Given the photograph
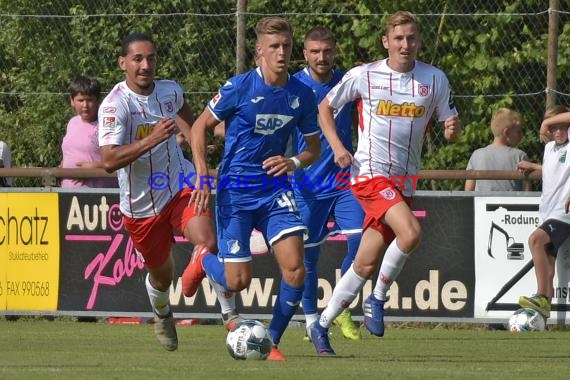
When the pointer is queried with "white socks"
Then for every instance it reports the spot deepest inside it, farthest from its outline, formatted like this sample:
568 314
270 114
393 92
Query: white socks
392 264
344 293
159 300
226 298
311 318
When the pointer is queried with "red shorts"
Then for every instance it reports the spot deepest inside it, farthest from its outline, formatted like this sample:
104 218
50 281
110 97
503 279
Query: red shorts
153 236
376 196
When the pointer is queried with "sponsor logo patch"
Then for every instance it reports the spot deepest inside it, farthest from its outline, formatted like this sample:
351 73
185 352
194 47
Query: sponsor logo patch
109 121
267 124
388 108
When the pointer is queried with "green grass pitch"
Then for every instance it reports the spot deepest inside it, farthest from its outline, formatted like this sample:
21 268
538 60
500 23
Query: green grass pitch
64 349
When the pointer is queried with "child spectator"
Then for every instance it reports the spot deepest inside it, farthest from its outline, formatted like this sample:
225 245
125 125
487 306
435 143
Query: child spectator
501 154
80 146
545 241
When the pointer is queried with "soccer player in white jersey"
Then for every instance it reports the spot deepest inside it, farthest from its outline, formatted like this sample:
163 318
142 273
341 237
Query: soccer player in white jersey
396 99
138 121
261 108
545 241
321 190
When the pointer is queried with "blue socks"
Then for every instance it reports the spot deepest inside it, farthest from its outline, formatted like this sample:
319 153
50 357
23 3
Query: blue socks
311 280
352 241
215 269
285 307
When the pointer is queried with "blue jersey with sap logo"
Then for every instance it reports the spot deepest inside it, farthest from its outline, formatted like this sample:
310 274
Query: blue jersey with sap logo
324 179
259 120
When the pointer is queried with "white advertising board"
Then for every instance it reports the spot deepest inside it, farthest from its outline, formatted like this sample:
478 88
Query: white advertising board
503 262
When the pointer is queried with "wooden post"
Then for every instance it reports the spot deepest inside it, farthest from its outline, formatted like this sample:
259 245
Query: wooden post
551 71
241 36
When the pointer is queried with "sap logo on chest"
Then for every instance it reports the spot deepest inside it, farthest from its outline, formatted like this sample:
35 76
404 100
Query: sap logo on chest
267 124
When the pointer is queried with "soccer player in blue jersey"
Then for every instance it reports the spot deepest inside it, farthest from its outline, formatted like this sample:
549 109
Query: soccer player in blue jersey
261 109
322 190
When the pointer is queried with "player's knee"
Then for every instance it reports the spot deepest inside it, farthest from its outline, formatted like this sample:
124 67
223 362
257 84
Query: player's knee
538 239
410 238
365 269
238 283
294 277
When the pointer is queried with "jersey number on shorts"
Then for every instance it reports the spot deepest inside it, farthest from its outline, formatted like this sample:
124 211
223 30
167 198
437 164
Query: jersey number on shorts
286 199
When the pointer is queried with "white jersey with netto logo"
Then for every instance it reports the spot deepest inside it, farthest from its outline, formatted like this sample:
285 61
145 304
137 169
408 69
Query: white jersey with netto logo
394 111
151 181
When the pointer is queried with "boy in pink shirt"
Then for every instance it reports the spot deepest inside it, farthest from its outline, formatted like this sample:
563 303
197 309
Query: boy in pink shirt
80 145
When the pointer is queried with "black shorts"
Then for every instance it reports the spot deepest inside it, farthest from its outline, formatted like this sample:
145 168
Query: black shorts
558 232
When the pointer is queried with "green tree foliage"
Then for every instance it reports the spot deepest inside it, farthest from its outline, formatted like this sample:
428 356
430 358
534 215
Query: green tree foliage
489 58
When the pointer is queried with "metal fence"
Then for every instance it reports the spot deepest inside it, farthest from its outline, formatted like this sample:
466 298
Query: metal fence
201 43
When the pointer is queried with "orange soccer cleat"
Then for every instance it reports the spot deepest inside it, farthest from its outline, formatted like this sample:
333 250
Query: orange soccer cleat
194 272
276 356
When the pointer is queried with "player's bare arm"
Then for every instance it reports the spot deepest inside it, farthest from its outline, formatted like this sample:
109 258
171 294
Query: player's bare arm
526 167
342 157
201 196
118 156
545 133
452 128
184 120
567 205
280 165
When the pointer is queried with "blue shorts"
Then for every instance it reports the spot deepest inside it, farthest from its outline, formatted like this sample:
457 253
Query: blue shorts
344 209
277 218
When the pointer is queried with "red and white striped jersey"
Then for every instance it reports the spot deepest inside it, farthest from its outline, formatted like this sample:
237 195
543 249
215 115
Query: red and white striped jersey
394 110
151 181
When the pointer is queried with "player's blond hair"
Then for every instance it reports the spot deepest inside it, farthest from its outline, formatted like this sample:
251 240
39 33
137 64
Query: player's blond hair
272 25
505 118
402 18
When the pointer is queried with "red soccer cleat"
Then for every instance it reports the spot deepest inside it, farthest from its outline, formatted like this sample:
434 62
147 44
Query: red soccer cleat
231 319
194 272
276 356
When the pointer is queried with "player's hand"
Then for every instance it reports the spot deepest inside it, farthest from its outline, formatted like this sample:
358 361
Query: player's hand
163 130
525 167
343 158
452 128
278 165
544 134
200 199
567 205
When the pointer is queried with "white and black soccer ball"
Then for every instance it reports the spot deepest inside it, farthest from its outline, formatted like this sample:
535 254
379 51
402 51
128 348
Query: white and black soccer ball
249 339
526 320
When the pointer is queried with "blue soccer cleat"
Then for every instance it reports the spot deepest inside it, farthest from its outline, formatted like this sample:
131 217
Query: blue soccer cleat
374 315
320 338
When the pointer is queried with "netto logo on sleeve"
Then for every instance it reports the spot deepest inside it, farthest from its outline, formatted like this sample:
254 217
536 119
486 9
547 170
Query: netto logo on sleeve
387 108
267 124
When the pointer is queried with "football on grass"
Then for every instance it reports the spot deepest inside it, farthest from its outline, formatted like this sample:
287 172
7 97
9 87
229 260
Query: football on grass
249 339
526 320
